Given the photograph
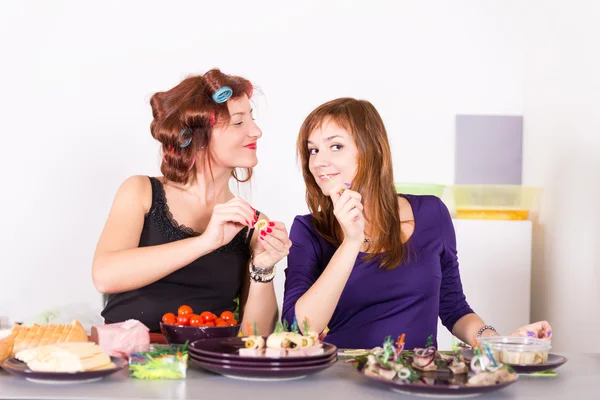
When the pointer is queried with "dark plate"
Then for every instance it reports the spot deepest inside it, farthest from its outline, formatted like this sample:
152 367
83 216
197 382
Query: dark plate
438 384
261 364
19 368
252 373
227 348
177 334
554 361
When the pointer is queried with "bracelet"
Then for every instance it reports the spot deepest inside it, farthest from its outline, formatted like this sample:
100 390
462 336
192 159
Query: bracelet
262 277
491 328
262 271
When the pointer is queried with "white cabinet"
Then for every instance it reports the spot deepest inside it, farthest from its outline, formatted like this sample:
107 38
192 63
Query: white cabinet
495 269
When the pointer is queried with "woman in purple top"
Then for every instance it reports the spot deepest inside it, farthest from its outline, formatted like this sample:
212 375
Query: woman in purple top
368 263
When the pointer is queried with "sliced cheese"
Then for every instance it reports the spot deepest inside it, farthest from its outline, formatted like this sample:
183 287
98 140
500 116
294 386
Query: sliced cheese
65 357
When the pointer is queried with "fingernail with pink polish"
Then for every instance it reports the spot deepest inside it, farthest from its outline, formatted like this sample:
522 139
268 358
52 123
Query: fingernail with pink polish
269 230
271 223
263 233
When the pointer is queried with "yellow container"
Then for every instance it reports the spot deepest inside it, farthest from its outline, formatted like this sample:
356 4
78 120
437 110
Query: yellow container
420 188
500 202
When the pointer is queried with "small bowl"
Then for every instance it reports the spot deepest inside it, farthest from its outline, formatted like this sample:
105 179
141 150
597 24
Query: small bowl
178 334
519 350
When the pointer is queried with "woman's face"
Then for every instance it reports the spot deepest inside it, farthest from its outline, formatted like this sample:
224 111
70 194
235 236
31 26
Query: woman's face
233 143
332 152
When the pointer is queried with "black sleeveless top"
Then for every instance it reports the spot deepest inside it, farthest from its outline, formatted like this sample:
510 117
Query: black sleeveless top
210 283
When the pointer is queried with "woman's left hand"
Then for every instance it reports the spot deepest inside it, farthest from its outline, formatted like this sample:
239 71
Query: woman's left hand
540 330
273 244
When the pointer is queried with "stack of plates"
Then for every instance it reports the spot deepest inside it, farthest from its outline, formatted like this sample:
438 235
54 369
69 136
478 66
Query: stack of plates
221 355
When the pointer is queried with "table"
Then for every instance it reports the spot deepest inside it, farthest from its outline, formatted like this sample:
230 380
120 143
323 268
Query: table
578 379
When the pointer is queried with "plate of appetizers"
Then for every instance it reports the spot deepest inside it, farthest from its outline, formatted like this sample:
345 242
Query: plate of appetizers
282 345
282 355
429 373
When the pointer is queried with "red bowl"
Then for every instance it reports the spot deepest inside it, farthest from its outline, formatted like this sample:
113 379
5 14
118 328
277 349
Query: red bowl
178 334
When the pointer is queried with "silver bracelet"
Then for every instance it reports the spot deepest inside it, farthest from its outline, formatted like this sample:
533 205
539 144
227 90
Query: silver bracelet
491 328
262 271
262 277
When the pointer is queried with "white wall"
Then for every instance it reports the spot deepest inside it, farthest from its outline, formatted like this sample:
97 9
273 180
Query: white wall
75 104
76 113
561 154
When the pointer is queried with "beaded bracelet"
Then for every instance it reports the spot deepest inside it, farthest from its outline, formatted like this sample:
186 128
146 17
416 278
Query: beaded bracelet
261 277
491 328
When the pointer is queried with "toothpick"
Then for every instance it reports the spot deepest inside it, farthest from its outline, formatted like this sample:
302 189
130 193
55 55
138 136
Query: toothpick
333 182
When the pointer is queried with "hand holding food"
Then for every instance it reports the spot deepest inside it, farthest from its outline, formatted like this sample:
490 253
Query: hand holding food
348 210
275 242
227 220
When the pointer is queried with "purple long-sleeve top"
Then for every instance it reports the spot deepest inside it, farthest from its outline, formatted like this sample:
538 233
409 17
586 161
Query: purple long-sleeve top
376 302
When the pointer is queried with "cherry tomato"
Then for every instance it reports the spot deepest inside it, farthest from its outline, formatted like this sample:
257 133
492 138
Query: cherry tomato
183 320
213 316
196 320
185 310
207 316
220 322
232 322
169 318
227 315
209 323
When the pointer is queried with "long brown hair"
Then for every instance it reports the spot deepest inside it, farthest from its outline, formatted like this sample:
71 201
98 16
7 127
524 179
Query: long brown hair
374 179
190 105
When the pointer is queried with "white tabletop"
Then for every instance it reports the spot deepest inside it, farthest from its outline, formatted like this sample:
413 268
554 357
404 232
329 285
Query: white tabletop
578 379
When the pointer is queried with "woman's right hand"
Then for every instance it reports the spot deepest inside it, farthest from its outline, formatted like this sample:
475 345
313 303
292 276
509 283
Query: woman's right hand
227 220
348 210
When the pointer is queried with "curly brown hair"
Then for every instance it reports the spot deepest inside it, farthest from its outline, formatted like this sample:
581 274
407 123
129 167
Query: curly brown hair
189 106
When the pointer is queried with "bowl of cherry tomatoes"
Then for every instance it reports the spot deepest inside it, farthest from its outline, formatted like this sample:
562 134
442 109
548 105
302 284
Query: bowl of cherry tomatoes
187 326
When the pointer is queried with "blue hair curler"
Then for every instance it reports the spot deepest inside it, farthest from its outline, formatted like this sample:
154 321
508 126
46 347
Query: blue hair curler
222 94
184 132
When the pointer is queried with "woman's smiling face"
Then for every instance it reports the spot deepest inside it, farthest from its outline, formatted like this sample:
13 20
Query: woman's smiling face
333 153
